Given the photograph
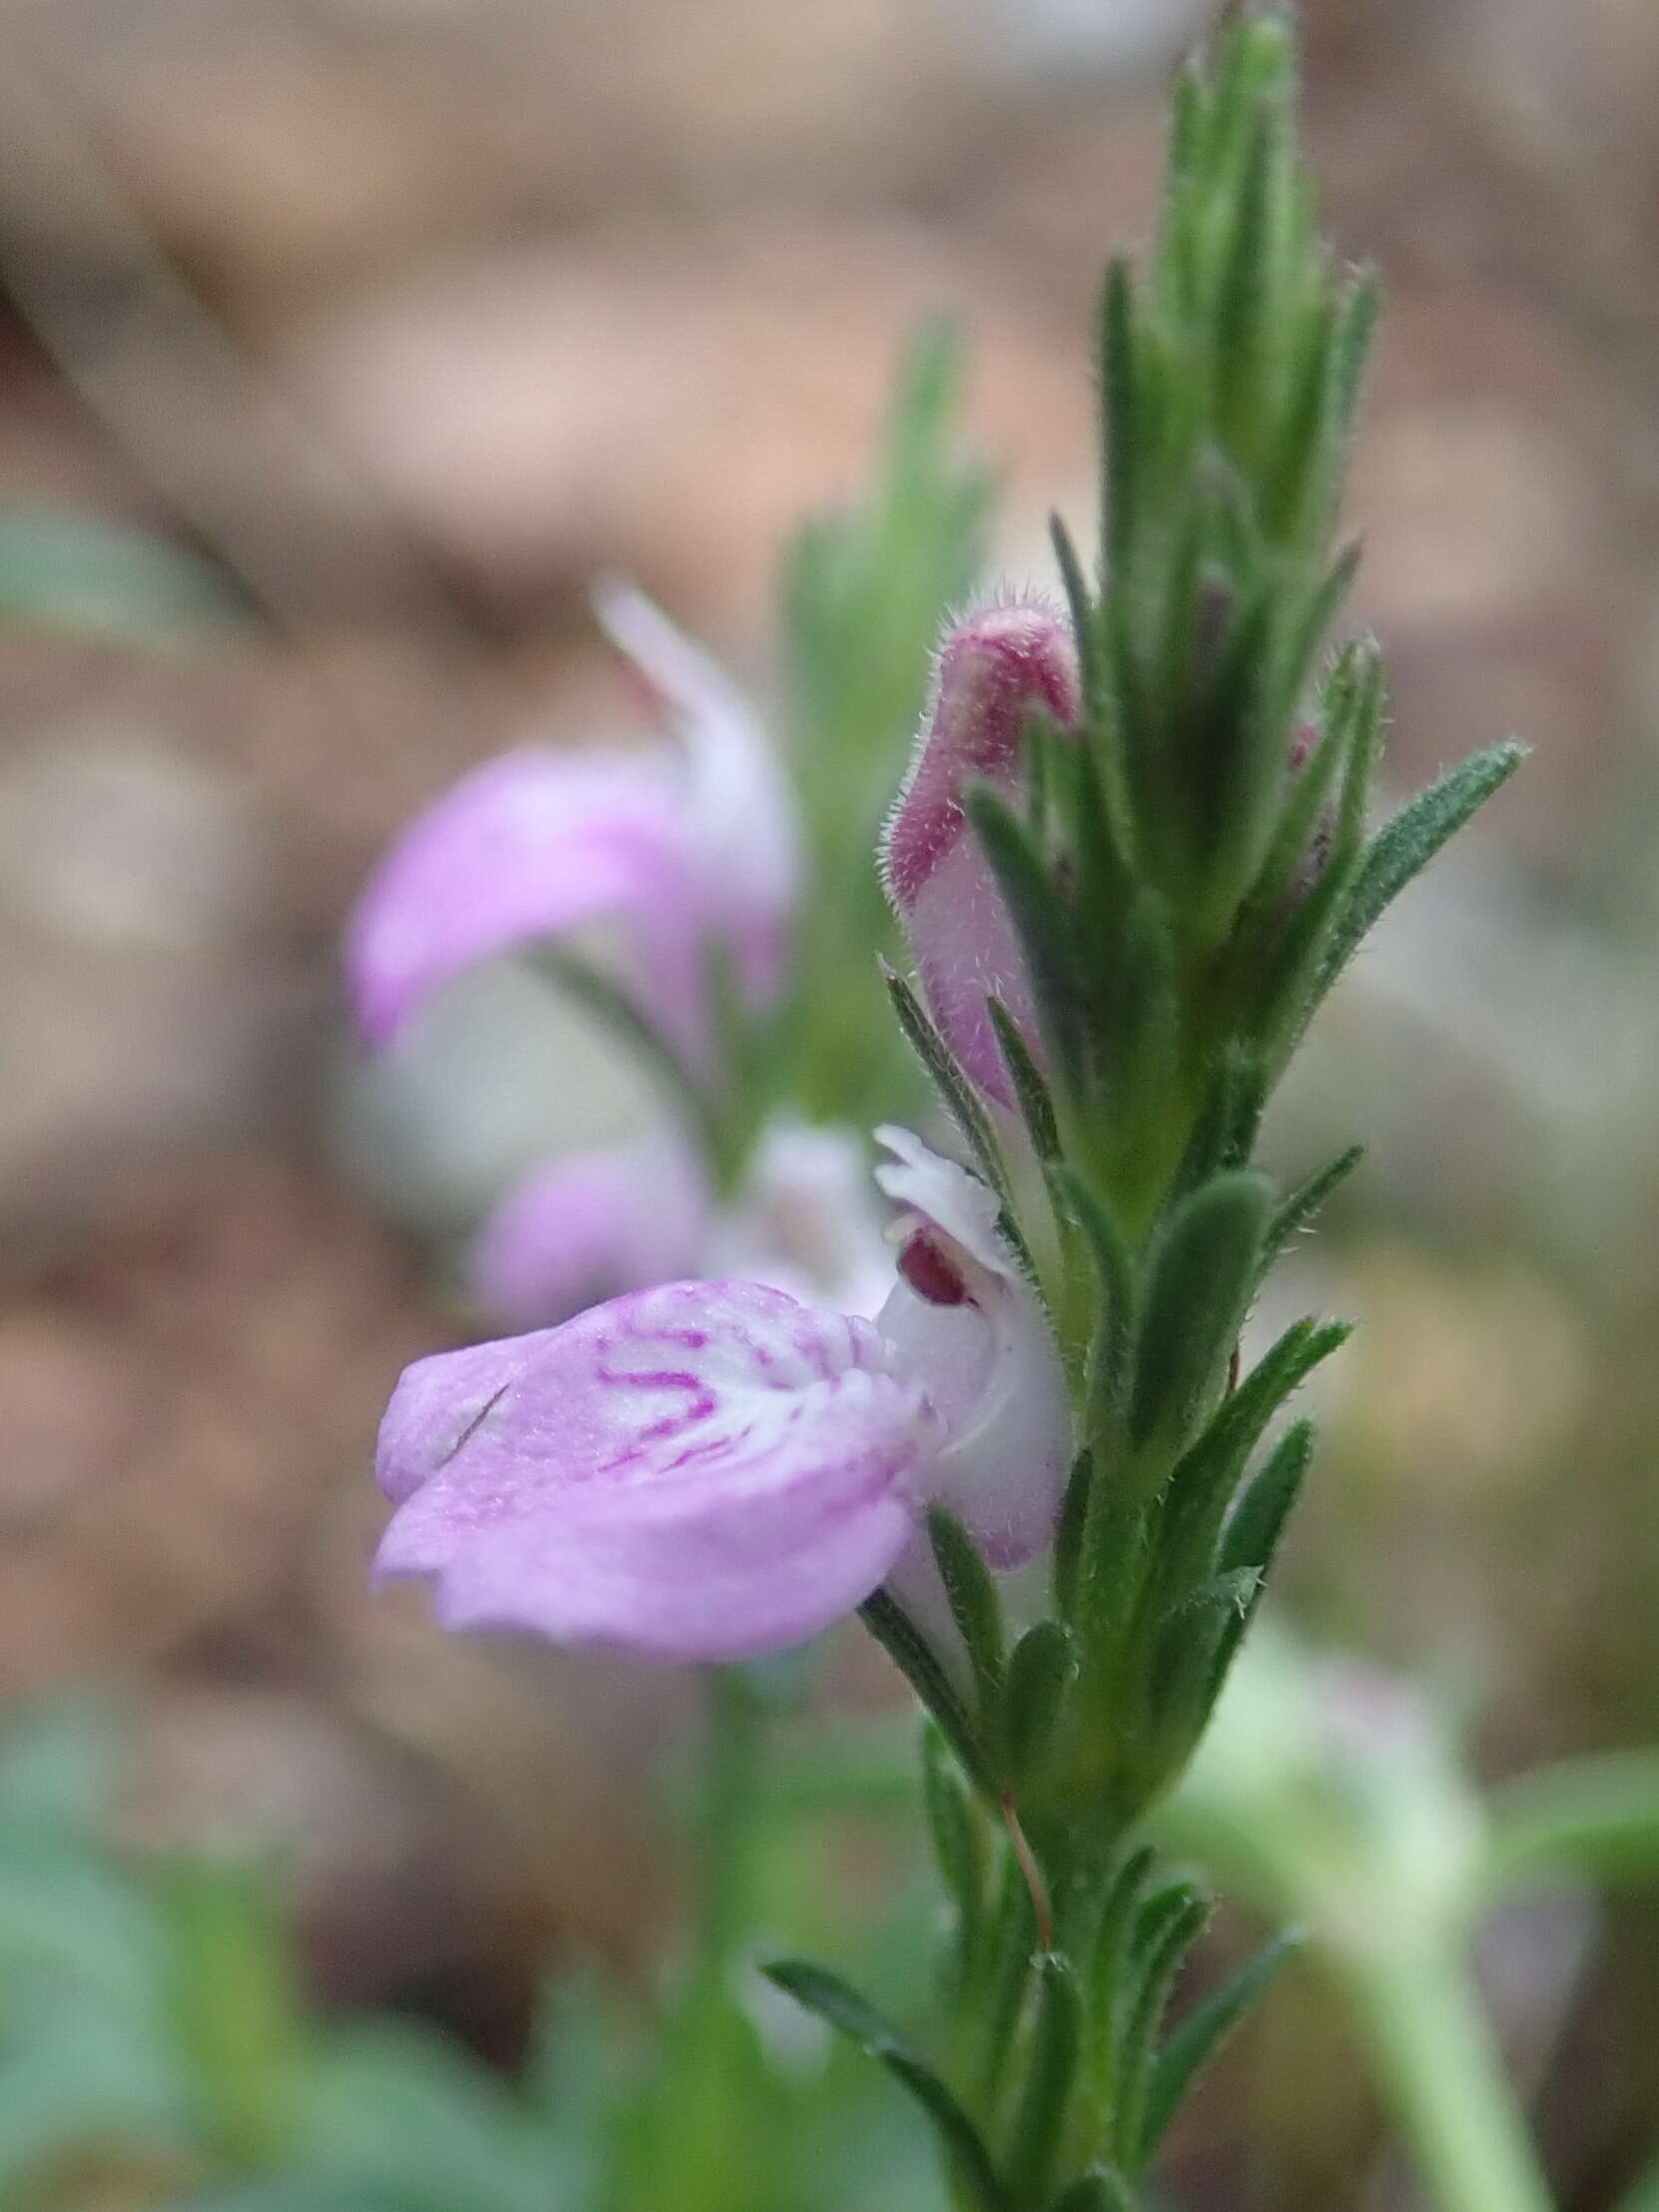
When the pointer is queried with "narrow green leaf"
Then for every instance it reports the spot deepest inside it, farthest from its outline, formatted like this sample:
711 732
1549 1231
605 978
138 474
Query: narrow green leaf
1178 1927
1239 363
975 1606
1226 1130
1049 2075
1031 1089
1170 1904
915 1659
1041 923
1110 1958
1202 1273
1197 2039
953 1821
1081 605
1406 845
1068 1537
1250 1542
834 2001
1205 1480
1111 1354
1040 1669
1305 1203
1314 449
1358 311
1256 1523
1118 406
1284 987
961 1100
1010 1950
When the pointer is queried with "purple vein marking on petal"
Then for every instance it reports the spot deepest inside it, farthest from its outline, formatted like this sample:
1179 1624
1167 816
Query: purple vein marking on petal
703 1399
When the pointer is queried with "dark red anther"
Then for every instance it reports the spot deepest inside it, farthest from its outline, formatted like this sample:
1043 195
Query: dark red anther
930 1270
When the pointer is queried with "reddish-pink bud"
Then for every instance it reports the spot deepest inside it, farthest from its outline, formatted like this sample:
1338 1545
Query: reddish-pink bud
996 668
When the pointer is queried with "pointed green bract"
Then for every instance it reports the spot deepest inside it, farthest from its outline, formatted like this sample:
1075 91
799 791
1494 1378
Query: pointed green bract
851 2016
917 1661
1196 2040
1200 1275
975 1606
1040 1669
1037 2135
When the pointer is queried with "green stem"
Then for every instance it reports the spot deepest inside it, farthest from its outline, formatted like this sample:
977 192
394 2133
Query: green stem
730 1797
1438 2063
695 2149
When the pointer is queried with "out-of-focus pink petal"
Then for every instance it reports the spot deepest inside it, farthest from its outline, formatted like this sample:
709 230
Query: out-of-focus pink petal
807 1220
704 1472
587 1225
534 844
741 810
995 669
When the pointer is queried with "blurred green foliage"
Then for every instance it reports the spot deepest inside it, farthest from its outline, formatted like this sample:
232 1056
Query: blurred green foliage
157 2047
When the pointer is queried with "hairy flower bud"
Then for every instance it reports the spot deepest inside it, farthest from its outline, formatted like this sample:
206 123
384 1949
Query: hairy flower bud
995 669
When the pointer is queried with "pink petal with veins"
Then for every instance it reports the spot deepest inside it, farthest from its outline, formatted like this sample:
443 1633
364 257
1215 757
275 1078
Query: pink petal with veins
704 1472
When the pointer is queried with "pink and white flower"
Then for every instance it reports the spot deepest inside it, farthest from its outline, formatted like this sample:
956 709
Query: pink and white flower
995 669
657 863
712 1470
